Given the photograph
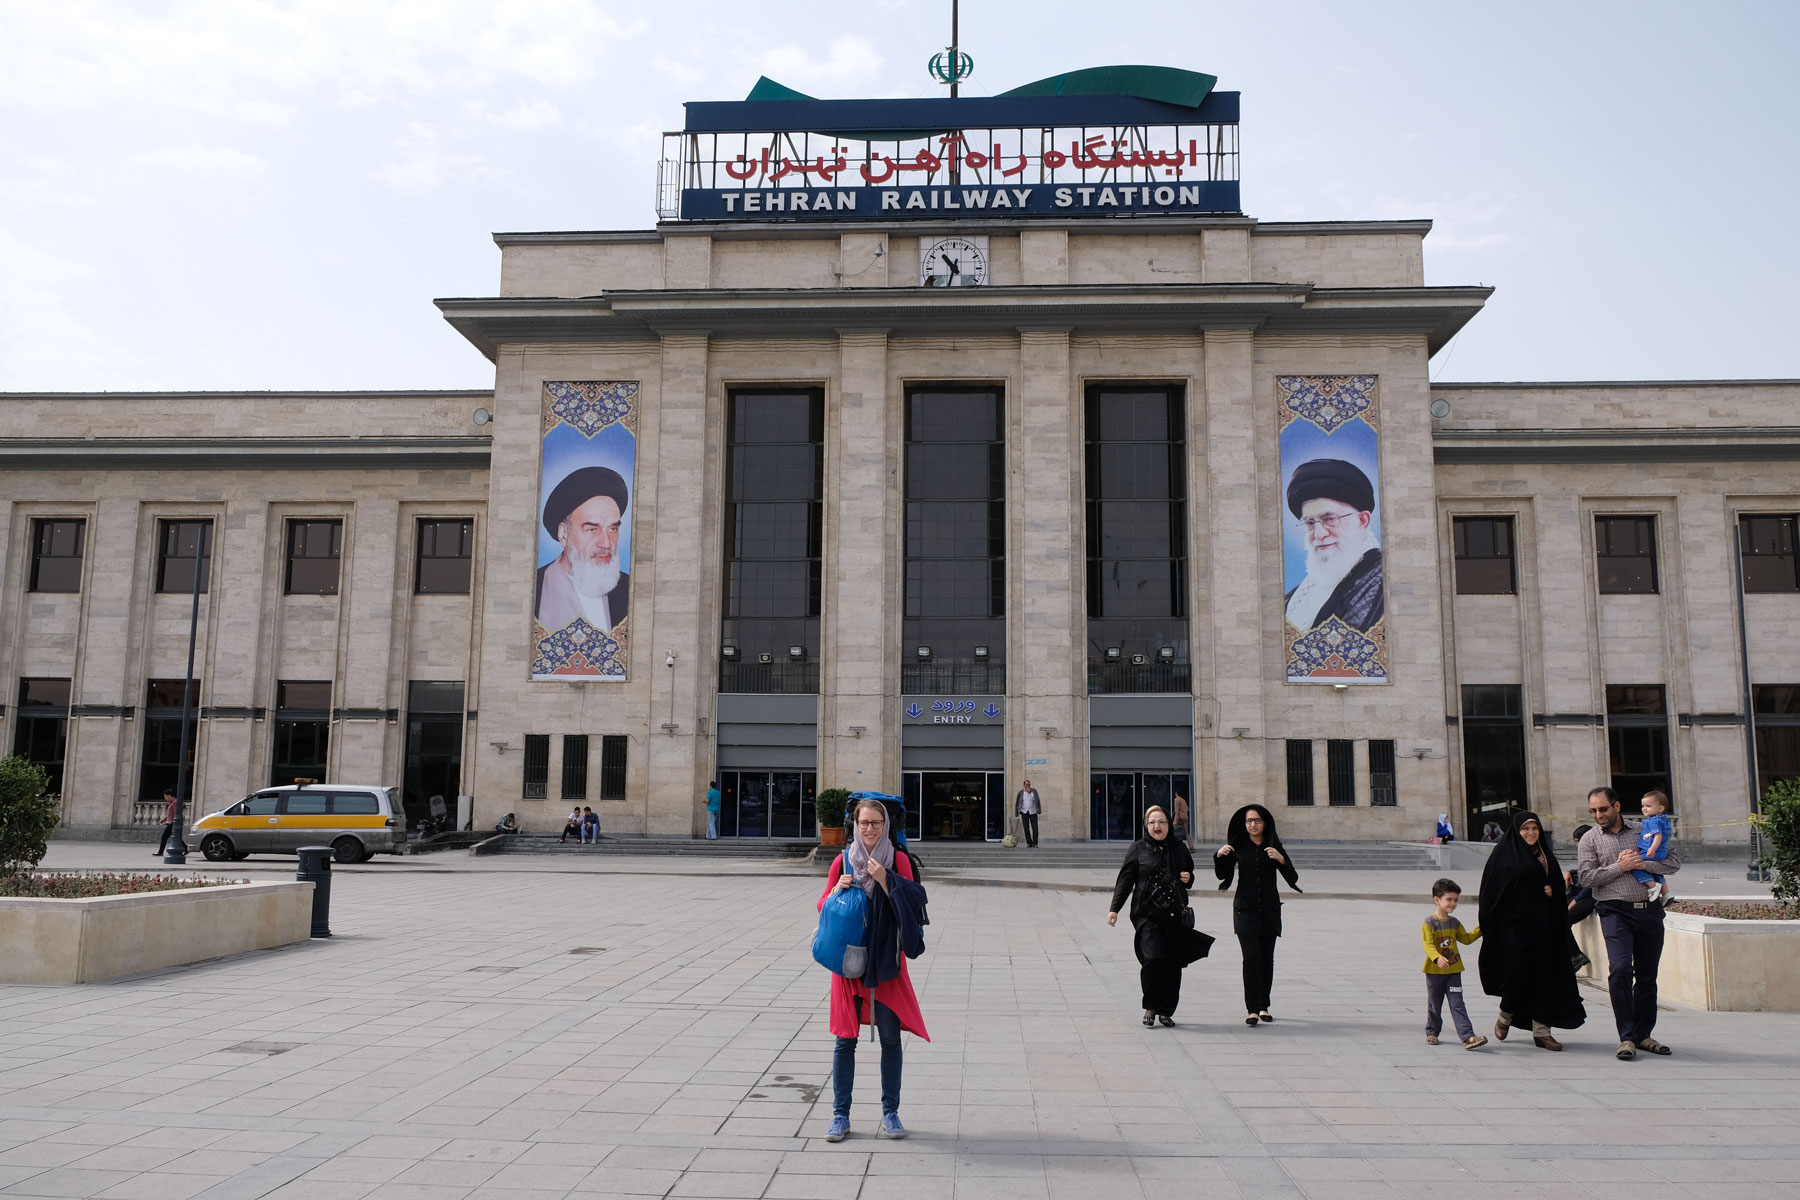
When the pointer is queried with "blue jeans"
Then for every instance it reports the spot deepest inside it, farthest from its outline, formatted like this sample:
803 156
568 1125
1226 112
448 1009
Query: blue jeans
712 824
843 1063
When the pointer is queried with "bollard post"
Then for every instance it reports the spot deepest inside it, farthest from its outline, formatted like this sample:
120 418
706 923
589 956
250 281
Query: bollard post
315 868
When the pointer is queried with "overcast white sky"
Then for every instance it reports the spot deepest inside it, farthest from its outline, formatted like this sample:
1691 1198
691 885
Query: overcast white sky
218 194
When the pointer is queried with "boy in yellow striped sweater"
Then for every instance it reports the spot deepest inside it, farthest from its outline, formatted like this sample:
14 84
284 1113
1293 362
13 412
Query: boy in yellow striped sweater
1443 966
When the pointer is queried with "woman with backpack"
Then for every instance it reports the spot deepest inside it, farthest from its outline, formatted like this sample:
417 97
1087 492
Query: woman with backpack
886 876
1156 875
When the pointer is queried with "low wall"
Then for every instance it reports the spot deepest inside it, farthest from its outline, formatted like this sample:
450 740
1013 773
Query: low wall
1713 963
82 941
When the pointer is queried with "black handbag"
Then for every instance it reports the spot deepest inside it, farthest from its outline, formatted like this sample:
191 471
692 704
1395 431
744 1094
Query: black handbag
1163 899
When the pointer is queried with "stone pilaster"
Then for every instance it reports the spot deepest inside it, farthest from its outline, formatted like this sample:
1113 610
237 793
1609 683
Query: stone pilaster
863 508
1046 634
239 654
366 643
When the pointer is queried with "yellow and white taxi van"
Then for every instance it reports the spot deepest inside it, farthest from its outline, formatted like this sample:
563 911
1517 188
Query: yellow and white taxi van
358 821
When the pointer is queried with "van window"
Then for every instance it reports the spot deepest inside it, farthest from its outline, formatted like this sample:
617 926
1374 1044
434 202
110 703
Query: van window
306 804
262 804
355 804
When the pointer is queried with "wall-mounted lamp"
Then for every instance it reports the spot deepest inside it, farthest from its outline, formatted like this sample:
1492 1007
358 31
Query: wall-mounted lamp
1048 731
981 652
500 747
856 731
1421 752
1112 654
1241 732
1167 652
797 653
924 653
483 417
1340 687
728 653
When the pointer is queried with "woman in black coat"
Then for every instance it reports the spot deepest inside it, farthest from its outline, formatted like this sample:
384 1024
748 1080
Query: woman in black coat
1254 851
1524 935
1156 875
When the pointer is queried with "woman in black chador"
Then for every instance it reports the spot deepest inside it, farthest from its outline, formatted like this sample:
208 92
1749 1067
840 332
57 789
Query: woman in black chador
1253 849
1157 873
1524 935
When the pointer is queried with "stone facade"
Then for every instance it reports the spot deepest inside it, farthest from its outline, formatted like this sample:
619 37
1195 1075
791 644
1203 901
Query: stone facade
1217 307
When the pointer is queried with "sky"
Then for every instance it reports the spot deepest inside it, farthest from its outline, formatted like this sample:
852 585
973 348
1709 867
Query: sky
243 194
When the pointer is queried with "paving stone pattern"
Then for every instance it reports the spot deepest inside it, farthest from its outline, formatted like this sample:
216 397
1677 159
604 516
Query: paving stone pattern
494 1033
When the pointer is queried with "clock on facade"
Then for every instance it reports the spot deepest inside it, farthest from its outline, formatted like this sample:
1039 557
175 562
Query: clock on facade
953 262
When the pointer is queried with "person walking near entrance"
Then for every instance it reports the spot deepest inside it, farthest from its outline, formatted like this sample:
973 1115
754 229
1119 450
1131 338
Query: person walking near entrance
1156 874
1631 922
168 820
1254 851
1029 804
712 811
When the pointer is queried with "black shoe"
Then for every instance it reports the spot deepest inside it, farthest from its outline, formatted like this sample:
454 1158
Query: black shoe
1265 1017
1149 1019
1250 1019
1166 1019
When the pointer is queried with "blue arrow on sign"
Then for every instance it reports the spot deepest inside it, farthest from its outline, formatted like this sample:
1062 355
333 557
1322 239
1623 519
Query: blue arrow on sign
991 711
913 710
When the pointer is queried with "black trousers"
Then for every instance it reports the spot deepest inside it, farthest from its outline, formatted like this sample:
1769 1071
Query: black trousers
1634 946
1160 981
1259 968
168 831
1029 821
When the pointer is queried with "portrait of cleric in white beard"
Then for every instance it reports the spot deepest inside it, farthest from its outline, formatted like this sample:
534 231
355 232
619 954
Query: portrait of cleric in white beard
584 514
1334 503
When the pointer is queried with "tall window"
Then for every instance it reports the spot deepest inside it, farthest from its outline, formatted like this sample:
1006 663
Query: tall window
954 632
575 766
537 766
183 547
1340 772
56 549
612 766
1626 550
41 735
302 731
1493 731
1777 733
314 553
1484 556
1770 561
1299 772
1382 791
434 737
1136 539
774 488
1637 738
160 766
446 553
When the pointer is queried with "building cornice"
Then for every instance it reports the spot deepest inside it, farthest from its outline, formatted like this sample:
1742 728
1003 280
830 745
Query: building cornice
490 323
789 230
1469 447
1610 384
246 453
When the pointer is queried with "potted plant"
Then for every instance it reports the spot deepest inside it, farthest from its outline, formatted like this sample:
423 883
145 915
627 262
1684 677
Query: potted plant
829 807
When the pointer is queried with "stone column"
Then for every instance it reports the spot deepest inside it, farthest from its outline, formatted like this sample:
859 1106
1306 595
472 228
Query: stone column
1572 758
1046 634
860 635
1712 779
673 512
239 656
1230 636
367 749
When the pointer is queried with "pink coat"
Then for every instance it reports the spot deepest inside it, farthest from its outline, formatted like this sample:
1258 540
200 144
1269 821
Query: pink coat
897 994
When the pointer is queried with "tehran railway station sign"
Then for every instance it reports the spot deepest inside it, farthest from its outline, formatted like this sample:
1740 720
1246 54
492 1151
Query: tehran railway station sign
1104 142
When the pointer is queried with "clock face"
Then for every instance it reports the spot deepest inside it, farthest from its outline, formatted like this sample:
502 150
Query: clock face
953 262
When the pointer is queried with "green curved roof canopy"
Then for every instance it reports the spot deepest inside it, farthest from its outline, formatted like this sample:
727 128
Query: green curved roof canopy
1170 85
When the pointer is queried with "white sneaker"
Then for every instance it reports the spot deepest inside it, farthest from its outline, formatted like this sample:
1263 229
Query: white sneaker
1653 892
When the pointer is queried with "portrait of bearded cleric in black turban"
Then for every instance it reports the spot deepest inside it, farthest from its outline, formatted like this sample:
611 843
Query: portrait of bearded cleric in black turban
1335 505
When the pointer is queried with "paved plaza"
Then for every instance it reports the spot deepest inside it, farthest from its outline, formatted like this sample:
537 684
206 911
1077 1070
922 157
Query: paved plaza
518 1028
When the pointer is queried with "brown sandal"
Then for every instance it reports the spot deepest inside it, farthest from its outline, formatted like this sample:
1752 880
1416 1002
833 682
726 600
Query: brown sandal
1501 1029
1547 1042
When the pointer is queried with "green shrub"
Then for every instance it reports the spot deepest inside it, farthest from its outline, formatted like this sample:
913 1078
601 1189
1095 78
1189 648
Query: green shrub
83 885
829 806
1779 824
28 814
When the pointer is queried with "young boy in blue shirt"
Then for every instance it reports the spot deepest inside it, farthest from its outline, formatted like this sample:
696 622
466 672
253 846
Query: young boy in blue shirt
1655 832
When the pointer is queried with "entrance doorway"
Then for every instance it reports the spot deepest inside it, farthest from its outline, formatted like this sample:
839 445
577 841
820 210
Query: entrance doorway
965 806
434 735
1117 801
776 804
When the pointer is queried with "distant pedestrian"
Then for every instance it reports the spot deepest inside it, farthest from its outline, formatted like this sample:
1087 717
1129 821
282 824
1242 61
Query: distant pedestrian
1029 804
1444 965
1444 831
1181 821
1525 960
170 803
1156 875
712 811
571 824
590 825
1631 922
885 875
1254 851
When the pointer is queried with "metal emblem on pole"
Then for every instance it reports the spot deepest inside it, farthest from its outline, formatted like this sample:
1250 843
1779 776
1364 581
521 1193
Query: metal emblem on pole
952 66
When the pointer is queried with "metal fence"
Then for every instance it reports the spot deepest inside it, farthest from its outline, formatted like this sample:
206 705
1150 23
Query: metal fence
1157 675
781 678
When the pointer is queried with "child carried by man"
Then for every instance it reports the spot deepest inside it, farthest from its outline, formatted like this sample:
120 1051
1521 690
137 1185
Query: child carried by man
1655 832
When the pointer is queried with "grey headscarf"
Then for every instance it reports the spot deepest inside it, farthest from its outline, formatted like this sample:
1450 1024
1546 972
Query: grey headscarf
858 855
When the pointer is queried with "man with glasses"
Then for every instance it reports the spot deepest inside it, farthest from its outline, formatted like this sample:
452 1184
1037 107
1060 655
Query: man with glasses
1630 920
1335 505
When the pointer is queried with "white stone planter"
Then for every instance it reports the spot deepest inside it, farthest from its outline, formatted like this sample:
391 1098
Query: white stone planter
1717 964
81 941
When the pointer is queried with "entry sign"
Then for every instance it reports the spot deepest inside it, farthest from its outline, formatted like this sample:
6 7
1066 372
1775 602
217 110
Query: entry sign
953 710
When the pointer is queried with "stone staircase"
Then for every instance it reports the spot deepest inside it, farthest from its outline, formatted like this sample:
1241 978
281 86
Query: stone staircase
773 849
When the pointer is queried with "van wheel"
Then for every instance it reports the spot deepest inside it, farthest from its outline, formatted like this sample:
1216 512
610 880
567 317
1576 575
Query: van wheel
347 850
216 847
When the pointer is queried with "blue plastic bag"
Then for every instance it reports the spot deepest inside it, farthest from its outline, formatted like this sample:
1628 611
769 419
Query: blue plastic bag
840 945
